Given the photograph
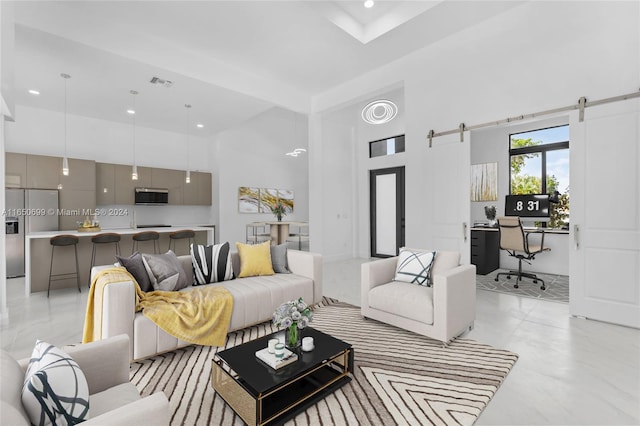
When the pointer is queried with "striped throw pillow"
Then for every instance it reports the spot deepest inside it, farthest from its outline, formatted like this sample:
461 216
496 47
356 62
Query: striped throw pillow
211 264
415 267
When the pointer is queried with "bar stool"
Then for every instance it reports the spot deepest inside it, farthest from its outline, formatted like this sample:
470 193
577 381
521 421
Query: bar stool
146 236
104 238
180 235
63 241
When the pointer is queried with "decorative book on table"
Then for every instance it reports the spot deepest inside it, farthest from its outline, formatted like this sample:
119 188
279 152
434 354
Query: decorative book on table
273 362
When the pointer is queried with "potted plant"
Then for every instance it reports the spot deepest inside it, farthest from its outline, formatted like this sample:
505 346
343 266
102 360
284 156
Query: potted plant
278 210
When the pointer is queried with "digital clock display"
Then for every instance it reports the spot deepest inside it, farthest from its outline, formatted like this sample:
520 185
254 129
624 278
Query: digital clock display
531 205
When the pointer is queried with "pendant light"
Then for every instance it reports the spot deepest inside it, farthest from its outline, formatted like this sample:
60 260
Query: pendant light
187 178
65 160
134 168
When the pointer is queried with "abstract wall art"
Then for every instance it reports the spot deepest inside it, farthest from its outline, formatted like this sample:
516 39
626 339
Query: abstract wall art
484 182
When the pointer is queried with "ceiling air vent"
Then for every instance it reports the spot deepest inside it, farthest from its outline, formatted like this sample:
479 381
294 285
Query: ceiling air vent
161 81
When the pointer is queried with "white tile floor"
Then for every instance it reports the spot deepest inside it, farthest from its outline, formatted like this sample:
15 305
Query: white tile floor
570 371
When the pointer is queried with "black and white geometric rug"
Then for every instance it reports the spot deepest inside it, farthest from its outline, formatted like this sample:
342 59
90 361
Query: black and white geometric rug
557 286
400 377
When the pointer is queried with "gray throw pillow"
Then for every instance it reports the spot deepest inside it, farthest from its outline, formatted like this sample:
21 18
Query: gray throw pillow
135 266
279 259
165 271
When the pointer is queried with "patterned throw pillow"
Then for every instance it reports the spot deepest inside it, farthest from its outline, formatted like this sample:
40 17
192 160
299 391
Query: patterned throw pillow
55 391
211 264
165 271
415 267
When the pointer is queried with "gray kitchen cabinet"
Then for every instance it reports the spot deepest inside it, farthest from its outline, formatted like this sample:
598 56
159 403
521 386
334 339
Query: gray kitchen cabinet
15 170
105 184
43 171
198 192
82 175
173 180
125 186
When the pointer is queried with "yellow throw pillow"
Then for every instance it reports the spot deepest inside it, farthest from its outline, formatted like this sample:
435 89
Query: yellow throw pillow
255 259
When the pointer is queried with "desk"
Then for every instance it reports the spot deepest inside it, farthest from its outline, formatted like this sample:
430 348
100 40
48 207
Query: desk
485 249
554 262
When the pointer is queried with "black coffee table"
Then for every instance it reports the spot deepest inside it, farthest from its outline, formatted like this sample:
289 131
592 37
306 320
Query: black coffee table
261 395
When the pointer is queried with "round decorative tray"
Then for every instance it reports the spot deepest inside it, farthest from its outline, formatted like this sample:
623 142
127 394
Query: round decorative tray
89 229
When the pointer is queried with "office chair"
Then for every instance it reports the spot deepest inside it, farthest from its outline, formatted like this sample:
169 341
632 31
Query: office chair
516 243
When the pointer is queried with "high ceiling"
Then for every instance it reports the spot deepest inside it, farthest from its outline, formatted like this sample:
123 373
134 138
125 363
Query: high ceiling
231 60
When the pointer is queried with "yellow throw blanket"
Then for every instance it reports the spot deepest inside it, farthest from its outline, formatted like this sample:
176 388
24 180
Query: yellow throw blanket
199 316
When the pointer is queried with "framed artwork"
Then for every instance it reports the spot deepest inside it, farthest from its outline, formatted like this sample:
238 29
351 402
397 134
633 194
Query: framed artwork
285 196
484 182
268 199
248 199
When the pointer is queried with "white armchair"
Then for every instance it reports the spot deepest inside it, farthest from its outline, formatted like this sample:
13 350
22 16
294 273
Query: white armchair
443 311
113 399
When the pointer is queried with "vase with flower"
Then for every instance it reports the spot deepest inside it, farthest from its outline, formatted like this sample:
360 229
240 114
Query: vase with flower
278 210
294 316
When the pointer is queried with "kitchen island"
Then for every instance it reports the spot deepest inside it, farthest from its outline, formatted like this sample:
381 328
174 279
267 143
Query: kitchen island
38 253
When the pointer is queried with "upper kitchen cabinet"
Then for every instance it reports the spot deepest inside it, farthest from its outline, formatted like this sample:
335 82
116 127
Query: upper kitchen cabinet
82 175
105 183
15 170
125 186
43 171
198 191
173 180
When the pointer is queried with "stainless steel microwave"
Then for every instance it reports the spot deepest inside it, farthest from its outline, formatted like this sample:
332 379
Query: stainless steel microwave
152 196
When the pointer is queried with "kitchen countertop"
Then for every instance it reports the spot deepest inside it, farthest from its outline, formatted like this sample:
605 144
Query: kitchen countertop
122 231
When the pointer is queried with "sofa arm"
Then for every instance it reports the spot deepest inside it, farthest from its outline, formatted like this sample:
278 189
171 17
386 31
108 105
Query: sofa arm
114 309
105 363
454 299
308 265
152 410
374 274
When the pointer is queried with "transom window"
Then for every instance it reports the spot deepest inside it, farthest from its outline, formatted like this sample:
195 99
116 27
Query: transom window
387 146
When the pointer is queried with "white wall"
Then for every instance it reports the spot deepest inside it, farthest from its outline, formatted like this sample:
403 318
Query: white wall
536 56
39 131
253 155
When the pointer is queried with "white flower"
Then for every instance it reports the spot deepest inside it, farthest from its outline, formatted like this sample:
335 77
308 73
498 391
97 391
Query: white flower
287 322
302 306
303 322
296 316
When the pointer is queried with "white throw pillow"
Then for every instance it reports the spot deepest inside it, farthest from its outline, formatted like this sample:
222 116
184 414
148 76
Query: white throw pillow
415 267
55 390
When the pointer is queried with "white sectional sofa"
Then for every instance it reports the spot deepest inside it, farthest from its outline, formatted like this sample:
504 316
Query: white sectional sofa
254 301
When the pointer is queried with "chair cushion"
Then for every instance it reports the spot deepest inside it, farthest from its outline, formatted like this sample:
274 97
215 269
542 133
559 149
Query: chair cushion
112 398
211 264
414 267
403 299
11 391
255 260
165 271
55 390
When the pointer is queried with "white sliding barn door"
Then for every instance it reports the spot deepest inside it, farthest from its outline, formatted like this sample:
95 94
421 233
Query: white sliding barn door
448 177
605 214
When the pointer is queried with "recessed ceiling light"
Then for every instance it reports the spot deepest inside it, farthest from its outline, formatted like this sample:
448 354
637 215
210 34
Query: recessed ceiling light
199 125
368 4
33 92
130 111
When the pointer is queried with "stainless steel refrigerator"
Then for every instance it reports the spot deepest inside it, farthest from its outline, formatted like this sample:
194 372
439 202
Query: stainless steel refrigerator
27 210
